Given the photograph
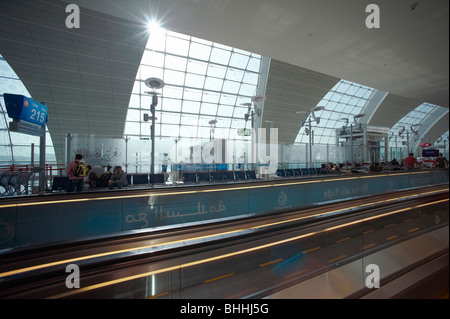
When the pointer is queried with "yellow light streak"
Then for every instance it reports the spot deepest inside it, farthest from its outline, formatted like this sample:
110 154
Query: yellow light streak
73 260
244 251
271 262
218 278
337 258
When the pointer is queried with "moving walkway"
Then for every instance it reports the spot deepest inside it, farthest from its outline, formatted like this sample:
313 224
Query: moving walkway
248 257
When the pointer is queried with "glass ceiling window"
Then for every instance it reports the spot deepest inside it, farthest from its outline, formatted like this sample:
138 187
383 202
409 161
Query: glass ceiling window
204 81
345 100
411 121
15 148
442 143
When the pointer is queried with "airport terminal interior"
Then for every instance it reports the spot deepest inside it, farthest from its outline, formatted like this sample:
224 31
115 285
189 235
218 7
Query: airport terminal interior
230 149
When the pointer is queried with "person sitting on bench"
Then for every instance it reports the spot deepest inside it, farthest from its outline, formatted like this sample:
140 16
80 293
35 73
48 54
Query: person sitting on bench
118 178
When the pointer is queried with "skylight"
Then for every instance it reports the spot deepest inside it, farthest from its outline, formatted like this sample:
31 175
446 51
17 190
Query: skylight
204 81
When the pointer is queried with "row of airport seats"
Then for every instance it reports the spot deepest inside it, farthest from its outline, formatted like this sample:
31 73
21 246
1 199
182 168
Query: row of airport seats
14 183
218 176
292 172
60 183
145 179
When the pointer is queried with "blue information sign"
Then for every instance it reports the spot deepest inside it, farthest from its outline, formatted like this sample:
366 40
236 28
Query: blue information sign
20 107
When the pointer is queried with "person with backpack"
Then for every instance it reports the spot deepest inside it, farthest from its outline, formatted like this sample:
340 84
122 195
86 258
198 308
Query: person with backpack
76 171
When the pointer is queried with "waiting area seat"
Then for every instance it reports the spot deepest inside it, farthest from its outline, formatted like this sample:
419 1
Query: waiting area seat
157 178
60 183
140 179
298 172
14 183
218 176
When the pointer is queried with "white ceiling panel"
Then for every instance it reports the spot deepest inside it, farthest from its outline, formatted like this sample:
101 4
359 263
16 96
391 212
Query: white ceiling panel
291 89
392 109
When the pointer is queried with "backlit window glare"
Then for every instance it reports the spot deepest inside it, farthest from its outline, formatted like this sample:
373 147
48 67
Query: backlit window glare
204 81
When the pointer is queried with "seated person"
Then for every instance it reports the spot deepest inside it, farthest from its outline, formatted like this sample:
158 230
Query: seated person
376 167
335 168
346 168
93 177
365 168
410 161
441 161
395 166
118 178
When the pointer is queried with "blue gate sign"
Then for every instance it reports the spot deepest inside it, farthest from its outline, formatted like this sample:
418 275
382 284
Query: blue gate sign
20 107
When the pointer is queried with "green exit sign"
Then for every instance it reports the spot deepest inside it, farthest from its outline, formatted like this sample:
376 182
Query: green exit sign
244 132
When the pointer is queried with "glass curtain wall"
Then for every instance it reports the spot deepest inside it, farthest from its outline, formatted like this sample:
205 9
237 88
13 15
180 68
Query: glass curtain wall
442 144
16 148
405 132
206 85
345 100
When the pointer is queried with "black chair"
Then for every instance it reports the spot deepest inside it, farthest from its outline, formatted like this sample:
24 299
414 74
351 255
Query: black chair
216 176
297 172
239 175
312 171
4 183
305 171
157 178
250 174
21 186
140 179
203 177
190 177
280 172
60 183
289 172
129 177
228 176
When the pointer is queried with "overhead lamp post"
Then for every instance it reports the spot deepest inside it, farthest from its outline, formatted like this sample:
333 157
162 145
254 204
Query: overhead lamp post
251 113
302 123
309 130
344 129
416 133
154 84
211 132
400 134
355 120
